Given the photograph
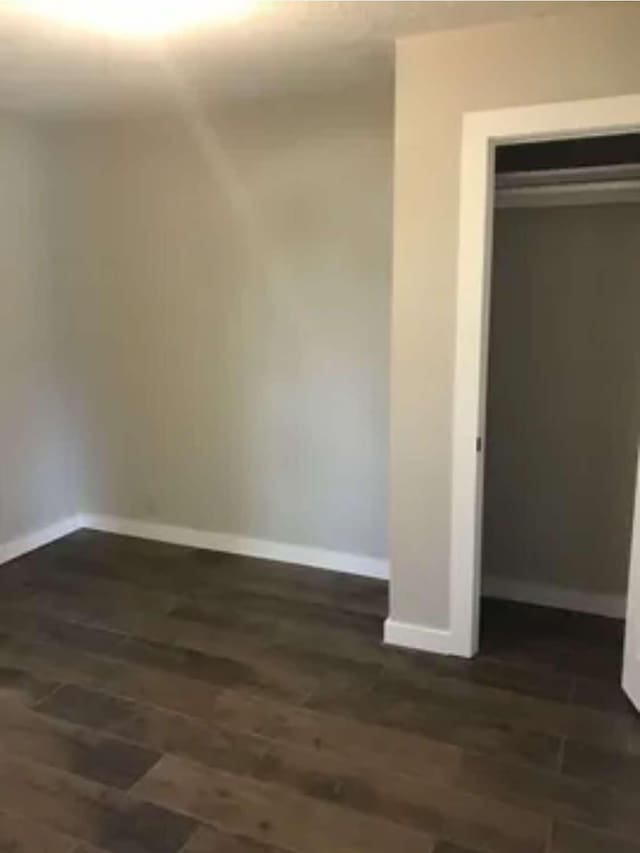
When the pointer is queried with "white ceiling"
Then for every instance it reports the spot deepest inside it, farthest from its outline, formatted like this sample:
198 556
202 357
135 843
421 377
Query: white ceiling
280 47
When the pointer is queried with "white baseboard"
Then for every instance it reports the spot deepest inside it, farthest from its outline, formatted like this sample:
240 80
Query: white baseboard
321 558
549 595
31 541
421 637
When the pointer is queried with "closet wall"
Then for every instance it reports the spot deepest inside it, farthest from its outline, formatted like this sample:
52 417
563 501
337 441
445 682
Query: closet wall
563 397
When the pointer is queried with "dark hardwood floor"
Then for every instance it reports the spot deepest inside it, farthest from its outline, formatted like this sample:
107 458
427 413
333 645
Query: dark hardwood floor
156 699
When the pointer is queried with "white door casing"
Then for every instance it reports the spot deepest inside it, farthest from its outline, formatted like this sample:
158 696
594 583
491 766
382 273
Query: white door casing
482 131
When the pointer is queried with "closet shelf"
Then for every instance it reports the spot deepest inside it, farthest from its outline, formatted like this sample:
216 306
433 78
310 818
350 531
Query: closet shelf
564 187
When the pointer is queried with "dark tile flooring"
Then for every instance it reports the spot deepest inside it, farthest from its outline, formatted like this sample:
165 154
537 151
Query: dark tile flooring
156 699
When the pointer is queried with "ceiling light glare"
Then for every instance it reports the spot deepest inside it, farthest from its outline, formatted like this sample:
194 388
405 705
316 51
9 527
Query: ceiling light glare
137 18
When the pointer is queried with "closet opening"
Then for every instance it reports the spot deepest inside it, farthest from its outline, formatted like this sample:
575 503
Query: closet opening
562 411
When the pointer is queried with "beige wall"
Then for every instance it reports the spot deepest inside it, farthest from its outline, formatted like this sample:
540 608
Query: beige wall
563 414
230 281
36 482
438 78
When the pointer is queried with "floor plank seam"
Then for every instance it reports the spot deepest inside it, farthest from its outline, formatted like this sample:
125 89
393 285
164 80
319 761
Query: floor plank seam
49 694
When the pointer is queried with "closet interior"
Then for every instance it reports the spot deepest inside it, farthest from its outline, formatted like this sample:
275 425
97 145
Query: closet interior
563 397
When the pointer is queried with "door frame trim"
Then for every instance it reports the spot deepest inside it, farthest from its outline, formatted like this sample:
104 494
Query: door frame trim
482 131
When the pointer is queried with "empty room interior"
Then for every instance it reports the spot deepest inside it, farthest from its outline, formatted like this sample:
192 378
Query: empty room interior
319 423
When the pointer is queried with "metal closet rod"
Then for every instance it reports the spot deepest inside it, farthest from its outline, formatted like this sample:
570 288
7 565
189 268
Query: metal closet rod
561 187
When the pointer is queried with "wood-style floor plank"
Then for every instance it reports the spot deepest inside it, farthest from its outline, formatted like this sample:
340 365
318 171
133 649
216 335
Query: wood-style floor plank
355 740
573 838
89 754
614 768
555 794
434 805
23 835
69 805
266 813
210 840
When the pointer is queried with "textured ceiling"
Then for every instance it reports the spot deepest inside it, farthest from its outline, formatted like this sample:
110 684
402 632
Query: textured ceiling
279 47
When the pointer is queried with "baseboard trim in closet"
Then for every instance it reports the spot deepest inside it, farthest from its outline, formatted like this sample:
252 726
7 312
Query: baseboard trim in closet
30 541
321 558
548 595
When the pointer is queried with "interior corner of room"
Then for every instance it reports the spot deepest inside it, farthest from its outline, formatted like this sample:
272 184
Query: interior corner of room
195 325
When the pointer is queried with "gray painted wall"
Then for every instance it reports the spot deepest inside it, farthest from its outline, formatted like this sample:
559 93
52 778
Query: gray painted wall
36 433
563 415
230 281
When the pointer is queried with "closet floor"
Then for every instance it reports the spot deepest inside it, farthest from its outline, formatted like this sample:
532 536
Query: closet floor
156 699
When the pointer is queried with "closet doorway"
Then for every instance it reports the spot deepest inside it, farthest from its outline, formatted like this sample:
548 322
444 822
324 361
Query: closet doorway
552 529
563 405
